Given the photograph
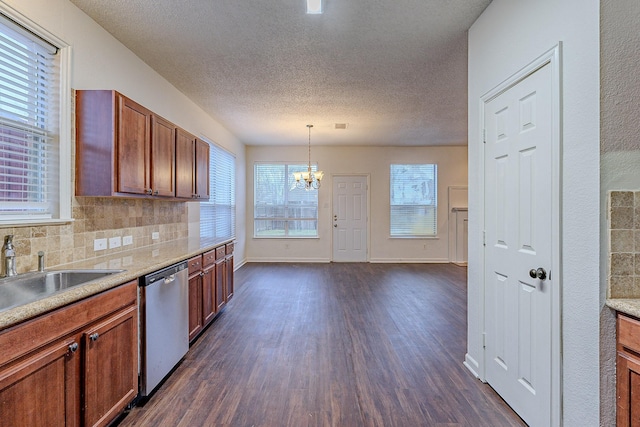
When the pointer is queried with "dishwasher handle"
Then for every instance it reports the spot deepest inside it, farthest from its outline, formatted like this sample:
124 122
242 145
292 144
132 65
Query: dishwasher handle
166 275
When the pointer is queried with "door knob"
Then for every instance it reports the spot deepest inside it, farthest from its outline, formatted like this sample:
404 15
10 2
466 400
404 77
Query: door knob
540 273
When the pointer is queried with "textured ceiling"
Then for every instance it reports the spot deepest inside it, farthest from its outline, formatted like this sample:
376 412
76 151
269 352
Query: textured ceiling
394 70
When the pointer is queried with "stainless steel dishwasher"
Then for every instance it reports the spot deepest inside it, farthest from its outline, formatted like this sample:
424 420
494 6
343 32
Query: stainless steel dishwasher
164 321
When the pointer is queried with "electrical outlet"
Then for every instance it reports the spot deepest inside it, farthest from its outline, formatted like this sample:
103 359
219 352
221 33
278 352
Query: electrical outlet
127 240
115 242
155 235
99 244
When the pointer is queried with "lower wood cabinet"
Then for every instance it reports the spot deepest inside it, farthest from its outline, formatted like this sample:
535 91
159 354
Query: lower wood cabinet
628 372
75 366
210 286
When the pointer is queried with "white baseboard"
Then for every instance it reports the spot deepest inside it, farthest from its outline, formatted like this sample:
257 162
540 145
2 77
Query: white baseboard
472 365
288 259
409 261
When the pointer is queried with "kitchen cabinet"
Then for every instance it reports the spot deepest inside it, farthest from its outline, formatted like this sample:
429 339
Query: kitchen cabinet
209 308
192 166
77 365
210 286
221 277
202 292
195 296
122 148
628 372
228 283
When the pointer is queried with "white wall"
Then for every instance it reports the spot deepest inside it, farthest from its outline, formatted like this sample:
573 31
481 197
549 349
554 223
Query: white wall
99 61
374 161
506 37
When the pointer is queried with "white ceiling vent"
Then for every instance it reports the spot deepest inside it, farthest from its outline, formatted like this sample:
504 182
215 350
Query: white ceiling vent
341 125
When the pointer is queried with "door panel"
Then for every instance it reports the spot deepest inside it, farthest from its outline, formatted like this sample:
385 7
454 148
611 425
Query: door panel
518 220
350 219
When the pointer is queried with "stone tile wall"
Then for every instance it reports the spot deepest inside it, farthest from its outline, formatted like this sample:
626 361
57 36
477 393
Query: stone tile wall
623 217
96 218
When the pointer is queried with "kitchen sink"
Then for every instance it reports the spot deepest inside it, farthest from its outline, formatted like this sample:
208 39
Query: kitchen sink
29 287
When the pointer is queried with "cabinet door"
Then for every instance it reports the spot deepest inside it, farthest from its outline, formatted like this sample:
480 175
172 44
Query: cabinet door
195 306
163 157
185 164
208 295
42 390
229 277
133 145
628 390
202 170
110 366
220 287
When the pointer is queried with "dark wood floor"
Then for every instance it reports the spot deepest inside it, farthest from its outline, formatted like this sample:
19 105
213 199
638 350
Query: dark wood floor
332 345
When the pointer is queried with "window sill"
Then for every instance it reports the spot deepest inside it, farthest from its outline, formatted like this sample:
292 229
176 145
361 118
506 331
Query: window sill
33 222
286 237
416 237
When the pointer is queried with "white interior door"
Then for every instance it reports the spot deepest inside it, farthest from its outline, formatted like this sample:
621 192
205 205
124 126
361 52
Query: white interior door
519 210
349 218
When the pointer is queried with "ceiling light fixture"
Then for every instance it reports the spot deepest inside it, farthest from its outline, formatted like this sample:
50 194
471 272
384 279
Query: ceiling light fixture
308 180
314 7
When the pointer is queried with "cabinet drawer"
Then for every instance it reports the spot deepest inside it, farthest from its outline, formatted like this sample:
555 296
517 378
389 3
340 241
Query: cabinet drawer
230 248
208 258
629 333
195 264
220 252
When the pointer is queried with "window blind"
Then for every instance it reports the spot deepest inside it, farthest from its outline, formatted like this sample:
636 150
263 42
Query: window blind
413 200
29 181
218 214
280 208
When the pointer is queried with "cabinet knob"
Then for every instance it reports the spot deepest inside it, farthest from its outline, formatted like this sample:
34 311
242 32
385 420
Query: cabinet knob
155 193
73 347
149 191
94 336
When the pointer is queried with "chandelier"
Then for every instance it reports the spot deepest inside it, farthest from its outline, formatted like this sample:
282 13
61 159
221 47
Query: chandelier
308 180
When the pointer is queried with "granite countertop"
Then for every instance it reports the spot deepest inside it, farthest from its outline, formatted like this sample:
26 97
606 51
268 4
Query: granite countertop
630 306
135 262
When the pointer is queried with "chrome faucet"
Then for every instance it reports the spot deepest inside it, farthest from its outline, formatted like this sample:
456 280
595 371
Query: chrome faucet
9 254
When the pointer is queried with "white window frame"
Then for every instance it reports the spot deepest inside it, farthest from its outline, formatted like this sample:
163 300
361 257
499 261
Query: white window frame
286 219
433 205
65 184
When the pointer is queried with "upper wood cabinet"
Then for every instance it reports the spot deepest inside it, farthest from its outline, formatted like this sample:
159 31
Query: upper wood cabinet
192 166
163 157
123 149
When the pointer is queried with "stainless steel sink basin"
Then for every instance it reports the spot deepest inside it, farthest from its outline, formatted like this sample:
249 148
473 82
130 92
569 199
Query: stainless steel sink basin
29 287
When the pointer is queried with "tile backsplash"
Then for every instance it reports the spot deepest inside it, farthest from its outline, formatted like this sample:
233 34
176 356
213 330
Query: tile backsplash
623 216
97 218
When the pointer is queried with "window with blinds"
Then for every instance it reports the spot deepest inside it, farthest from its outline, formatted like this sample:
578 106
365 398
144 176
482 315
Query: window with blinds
218 214
414 200
29 162
280 208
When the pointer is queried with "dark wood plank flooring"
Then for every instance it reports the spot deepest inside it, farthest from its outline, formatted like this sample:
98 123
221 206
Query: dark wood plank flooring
332 345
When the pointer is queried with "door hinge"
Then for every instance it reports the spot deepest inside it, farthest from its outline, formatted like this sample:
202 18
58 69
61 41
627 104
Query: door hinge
484 136
484 238
484 340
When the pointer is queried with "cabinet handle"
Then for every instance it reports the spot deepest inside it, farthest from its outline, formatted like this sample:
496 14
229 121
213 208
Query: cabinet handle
94 336
149 191
155 193
73 347
201 274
